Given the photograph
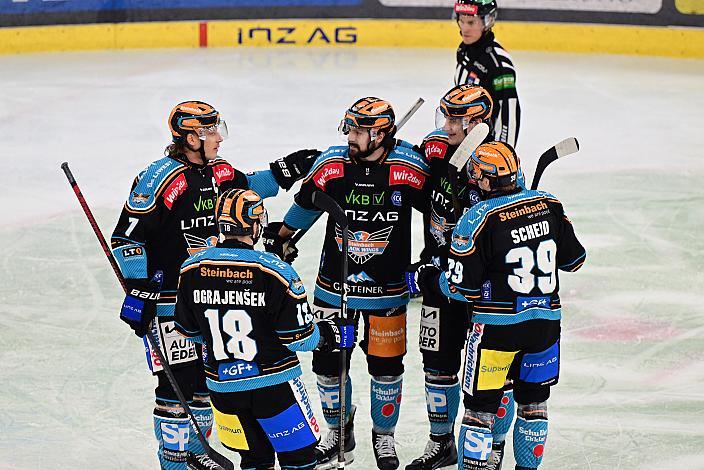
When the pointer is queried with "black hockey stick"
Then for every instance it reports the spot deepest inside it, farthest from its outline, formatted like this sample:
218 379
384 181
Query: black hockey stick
402 122
214 455
559 150
327 204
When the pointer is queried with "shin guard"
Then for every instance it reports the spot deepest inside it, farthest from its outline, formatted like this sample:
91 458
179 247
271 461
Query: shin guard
385 394
172 430
204 417
442 398
474 443
504 417
530 434
329 391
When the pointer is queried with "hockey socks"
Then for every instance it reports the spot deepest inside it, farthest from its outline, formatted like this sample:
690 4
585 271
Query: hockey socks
329 391
474 443
172 430
530 434
385 394
504 417
442 398
204 417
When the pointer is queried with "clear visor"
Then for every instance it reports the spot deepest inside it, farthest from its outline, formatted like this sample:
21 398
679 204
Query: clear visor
220 129
441 120
345 129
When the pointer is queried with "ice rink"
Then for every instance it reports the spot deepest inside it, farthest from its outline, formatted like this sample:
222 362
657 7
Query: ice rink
75 391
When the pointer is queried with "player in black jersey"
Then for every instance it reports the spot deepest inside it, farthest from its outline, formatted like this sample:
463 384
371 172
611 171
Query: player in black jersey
482 61
168 216
251 310
377 180
443 321
505 255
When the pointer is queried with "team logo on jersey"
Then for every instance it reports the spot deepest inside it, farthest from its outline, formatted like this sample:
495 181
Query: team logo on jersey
364 245
438 227
361 277
196 244
139 198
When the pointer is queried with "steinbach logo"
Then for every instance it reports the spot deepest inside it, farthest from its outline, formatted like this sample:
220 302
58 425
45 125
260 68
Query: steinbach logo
364 245
223 172
174 190
435 149
525 210
399 174
328 172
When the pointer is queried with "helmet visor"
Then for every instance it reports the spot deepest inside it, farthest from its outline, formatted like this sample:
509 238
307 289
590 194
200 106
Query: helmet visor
441 119
219 128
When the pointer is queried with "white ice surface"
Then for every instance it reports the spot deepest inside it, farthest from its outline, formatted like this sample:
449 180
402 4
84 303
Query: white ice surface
75 392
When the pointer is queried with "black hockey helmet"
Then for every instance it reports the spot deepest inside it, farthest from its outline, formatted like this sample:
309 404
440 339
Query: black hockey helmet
486 9
195 116
237 210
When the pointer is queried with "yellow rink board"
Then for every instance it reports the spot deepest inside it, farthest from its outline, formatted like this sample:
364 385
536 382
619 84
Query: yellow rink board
554 37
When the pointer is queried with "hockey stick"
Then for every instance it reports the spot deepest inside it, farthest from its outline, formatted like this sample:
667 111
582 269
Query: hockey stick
214 455
327 204
406 117
459 159
559 150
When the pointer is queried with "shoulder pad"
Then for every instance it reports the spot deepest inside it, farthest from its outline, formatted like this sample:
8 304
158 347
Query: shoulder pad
152 182
435 144
284 269
195 258
329 165
400 154
222 170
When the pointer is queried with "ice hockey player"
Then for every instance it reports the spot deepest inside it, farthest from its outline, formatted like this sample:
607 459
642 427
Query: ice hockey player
504 257
376 179
482 61
251 311
169 215
443 321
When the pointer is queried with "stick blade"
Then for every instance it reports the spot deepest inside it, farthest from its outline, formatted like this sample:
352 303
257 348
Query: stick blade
567 147
470 143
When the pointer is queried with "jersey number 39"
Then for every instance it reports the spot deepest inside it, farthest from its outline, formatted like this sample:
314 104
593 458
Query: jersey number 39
523 280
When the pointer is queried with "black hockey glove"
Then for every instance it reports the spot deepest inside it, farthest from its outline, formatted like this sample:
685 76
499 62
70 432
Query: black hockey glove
336 335
280 246
139 307
293 167
420 277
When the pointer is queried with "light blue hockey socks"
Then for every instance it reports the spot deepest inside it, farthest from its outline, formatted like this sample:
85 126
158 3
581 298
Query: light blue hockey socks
442 398
172 432
504 417
529 438
204 417
385 394
329 391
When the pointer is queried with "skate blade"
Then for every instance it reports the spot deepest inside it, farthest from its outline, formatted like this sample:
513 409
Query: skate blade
349 458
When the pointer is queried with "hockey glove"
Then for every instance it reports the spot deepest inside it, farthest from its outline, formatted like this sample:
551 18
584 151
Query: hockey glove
419 277
336 335
292 167
280 246
139 307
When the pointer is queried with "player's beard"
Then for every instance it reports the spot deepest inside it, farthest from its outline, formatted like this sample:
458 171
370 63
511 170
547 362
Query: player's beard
356 152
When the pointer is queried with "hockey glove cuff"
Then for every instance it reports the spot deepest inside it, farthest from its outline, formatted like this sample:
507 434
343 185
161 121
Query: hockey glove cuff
280 246
293 167
419 277
139 307
335 335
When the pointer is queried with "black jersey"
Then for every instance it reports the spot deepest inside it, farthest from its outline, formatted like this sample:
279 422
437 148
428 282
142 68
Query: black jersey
487 64
251 311
170 214
440 218
377 199
505 256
